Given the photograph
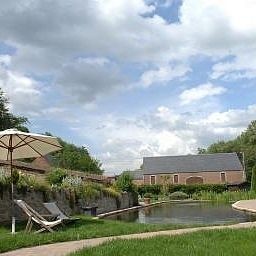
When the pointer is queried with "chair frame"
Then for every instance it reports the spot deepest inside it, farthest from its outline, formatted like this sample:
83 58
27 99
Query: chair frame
34 216
60 212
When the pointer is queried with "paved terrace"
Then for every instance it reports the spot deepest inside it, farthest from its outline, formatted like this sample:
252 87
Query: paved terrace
62 249
245 205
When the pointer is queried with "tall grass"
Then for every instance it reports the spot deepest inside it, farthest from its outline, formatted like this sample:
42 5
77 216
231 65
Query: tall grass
225 197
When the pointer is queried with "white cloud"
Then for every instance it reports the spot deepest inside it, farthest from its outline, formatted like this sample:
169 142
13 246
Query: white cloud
23 92
163 74
200 92
5 60
79 44
50 35
242 66
231 117
124 141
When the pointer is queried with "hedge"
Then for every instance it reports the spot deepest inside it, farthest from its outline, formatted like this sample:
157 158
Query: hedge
188 189
152 189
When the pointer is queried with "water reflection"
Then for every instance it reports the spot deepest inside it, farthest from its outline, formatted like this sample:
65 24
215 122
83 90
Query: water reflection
186 213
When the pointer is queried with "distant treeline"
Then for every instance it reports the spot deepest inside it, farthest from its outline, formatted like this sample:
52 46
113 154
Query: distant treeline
243 144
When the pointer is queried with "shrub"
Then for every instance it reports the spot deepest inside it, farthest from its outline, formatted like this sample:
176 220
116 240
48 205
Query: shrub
25 182
124 183
5 179
147 195
178 195
15 176
153 189
88 190
111 192
70 182
188 189
197 188
253 179
56 176
226 196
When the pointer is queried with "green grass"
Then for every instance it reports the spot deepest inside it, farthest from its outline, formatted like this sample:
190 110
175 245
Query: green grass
225 197
82 229
210 243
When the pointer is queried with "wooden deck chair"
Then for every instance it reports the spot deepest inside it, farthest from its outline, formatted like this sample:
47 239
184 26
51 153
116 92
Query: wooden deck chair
53 208
34 216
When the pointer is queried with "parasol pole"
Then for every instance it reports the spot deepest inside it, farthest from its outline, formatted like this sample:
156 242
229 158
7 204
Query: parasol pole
12 188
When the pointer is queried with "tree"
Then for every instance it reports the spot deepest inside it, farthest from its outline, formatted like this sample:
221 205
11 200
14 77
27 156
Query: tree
9 120
245 143
75 158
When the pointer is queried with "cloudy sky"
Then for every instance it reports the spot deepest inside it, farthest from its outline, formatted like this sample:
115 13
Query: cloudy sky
128 79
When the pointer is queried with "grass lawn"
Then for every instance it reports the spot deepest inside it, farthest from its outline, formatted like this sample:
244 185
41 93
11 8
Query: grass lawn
210 243
82 229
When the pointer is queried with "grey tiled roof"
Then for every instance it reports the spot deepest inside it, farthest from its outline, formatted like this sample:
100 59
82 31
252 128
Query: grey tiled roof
192 163
136 175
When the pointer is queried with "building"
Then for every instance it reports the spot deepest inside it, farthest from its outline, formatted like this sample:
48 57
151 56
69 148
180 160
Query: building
24 167
43 162
137 176
40 167
221 168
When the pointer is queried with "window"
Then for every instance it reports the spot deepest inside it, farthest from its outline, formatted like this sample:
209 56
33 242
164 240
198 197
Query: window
152 179
223 177
175 178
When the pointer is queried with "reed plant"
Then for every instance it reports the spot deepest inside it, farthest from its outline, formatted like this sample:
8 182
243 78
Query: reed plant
226 196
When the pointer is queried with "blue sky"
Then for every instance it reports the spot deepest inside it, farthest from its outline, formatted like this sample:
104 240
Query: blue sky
128 79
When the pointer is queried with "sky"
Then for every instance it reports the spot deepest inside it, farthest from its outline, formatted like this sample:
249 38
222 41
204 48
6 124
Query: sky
128 79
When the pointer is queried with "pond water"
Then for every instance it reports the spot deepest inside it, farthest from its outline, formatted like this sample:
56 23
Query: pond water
186 213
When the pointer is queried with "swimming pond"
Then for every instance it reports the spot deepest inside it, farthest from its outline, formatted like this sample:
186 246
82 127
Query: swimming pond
186 213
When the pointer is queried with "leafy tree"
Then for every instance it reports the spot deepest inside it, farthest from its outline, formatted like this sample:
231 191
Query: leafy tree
76 158
245 143
9 120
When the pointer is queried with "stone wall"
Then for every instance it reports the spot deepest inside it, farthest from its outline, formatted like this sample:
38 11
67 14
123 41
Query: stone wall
66 202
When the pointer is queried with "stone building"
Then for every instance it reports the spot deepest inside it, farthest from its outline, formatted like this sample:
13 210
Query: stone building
221 168
137 176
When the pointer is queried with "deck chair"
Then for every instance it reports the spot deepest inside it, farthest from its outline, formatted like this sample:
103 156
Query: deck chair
34 216
53 208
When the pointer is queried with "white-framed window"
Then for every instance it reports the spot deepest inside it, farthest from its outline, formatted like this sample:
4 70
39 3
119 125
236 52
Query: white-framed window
223 177
175 178
152 179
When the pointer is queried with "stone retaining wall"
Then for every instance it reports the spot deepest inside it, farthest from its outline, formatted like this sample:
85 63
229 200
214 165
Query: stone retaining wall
66 202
